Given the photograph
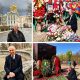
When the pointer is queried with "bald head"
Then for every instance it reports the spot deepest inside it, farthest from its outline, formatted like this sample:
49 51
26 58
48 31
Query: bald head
15 27
12 50
70 11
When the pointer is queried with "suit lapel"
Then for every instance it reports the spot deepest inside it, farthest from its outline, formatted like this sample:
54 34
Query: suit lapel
14 34
15 59
10 61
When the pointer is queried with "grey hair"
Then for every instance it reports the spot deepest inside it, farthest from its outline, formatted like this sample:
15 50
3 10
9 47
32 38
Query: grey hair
13 47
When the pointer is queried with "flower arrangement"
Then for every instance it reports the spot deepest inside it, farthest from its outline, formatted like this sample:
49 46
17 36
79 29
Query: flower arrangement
45 68
60 77
62 33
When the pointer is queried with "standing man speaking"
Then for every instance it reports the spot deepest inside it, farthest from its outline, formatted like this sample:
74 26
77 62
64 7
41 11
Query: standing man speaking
13 65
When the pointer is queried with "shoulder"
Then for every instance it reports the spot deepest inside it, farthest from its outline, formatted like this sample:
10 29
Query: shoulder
18 56
11 32
7 57
20 32
73 70
74 16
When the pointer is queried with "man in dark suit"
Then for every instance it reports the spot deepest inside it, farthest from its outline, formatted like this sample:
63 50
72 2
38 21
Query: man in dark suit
15 35
72 74
72 21
13 66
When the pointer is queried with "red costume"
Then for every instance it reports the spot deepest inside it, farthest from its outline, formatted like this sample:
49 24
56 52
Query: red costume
57 64
40 12
56 4
39 8
38 71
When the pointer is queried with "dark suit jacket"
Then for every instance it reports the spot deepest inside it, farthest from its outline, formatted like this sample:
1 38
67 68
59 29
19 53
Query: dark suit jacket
18 64
12 37
72 22
72 75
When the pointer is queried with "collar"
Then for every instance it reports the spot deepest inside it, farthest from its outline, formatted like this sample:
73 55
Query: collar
13 56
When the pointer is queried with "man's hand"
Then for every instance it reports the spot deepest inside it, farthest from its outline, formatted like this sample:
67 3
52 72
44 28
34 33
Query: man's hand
8 76
11 74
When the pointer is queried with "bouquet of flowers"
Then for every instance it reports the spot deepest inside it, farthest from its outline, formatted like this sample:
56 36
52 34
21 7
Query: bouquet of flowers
60 77
63 33
45 68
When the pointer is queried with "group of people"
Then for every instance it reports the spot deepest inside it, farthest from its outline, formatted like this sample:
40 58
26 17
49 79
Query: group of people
57 30
46 68
71 21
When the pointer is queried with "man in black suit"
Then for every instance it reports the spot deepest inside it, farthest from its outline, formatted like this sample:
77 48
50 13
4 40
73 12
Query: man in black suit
72 21
13 65
72 74
15 35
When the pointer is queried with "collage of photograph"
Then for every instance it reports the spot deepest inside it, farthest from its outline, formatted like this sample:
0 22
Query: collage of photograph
39 40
